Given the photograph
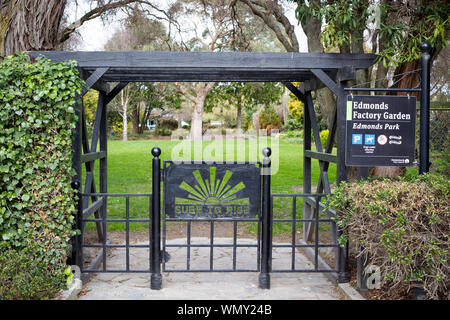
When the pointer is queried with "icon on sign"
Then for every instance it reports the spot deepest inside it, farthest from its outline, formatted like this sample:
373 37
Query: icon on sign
382 139
369 139
356 138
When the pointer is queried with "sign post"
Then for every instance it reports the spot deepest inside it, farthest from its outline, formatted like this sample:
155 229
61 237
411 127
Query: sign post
380 130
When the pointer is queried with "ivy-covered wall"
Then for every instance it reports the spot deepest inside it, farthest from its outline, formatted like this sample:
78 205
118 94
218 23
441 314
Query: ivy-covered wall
37 119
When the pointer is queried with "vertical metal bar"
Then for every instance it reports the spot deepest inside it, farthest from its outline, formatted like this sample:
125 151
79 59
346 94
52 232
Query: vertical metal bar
316 235
127 229
188 247
150 214
264 276
211 249
424 161
164 228
104 228
155 252
234 243
294 209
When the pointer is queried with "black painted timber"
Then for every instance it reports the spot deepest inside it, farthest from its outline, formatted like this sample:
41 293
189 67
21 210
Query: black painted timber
323 156
209 66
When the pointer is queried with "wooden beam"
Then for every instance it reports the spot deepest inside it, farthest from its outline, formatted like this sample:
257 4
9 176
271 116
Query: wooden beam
323 156
114 92
93 79
268 61
311 85
92 156
292 88
93 207
328 212
98 119
209 66
322 76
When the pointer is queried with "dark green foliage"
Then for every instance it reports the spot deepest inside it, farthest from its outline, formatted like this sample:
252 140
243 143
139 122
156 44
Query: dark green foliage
293 125
403 226
269 118
36 122
170 124
23 276
165 127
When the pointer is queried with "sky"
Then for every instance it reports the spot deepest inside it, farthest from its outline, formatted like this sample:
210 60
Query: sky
95 33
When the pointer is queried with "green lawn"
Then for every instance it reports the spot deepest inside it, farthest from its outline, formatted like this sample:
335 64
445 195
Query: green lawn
129 171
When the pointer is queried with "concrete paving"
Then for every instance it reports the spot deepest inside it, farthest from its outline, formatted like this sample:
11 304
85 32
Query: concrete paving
208 286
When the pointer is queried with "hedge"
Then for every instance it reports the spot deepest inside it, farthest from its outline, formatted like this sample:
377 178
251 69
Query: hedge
36 123
403 226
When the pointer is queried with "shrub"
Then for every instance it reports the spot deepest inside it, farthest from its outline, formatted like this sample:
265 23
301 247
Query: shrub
23 276
269 117
170 124
164 132
403 227
294 134
324 137
36 123
293 125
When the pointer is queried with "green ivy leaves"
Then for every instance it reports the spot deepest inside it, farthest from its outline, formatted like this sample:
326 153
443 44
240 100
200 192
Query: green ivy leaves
36 121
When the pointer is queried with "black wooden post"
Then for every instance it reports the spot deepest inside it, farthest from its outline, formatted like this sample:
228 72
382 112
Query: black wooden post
77 255
342 261
424 161
77 249
307 210
104 161
156 278
361 260
266 246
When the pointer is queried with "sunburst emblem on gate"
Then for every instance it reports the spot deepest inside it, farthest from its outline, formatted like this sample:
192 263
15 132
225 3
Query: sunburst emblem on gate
212 190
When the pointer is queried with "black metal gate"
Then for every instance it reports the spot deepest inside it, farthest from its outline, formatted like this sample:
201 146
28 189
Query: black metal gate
211 192
207 192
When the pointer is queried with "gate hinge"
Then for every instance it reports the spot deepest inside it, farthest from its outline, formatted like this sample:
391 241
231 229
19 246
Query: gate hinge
162 174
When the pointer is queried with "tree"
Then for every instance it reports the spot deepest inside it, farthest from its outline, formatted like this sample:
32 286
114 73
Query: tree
247 95
216 26
391 29
212 33
38 24
139 99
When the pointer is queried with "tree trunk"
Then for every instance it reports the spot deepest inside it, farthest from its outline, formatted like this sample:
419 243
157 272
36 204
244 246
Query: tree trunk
239 117
325 98
135 120
197 116
124 101
200 90
125 125
30 25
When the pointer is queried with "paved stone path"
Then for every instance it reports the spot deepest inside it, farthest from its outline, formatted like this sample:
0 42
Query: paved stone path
208 286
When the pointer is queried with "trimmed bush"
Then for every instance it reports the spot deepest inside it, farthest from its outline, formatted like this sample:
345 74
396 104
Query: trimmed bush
269 117
36 200
403 226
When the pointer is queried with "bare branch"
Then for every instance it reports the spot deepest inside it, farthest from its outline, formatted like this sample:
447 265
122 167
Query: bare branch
94 13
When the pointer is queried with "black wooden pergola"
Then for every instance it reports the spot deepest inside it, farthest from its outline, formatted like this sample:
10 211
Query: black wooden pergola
312 70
